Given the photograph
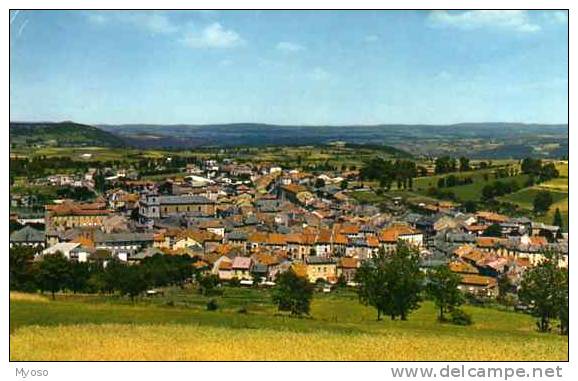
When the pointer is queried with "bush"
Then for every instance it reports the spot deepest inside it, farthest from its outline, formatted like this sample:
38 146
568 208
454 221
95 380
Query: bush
460 317
212 305
242 310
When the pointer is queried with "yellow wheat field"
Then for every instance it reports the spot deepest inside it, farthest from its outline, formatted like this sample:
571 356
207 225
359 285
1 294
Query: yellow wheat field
186 342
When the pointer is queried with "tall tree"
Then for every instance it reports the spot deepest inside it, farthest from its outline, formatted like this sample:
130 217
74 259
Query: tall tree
557 219
531 166
53 273
442 287
373 290
80 273
545 289
445 164
293 293
133 281
542 202
464 164
21 268
391 283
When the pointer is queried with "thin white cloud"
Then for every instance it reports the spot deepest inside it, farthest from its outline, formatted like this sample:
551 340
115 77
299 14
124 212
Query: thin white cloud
212 36
514 20
289 47
152 22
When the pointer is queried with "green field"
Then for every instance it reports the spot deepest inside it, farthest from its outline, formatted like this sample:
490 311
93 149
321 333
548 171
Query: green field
473 192
177 327
525 197
525 200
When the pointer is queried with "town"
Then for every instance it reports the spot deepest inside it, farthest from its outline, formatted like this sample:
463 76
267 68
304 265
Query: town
245 221
288 185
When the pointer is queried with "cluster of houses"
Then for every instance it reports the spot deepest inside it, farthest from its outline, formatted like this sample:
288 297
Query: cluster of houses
249 222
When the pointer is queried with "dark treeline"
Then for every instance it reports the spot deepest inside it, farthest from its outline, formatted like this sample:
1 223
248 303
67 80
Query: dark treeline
453 181
499 188
541 172
54 273
40 166
388 172
76 193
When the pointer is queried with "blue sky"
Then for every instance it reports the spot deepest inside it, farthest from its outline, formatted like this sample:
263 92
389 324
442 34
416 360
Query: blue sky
315 67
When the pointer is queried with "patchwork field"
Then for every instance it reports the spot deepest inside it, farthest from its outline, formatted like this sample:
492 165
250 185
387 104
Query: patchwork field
177 327
525 197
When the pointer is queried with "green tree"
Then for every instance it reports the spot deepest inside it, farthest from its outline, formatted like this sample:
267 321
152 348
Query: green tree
80 273
548 172
488 192
133 281
445 164
563 299
99 182
504 287
557 218
531 166
494 230
257 278
21 268
471 206
372 290
112 276
391 283
545 289
53 273
208 283
542 202
344 184
293 293
442 287
464 164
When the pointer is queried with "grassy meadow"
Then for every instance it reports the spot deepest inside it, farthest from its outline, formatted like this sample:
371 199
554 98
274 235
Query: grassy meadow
557 187
177 326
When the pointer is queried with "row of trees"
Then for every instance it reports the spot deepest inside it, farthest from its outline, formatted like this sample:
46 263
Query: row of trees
387 172
453 180
447 164
499 188
55 273
535 168
394 285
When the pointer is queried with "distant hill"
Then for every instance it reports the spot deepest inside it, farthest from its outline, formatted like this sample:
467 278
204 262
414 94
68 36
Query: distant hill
475 140
64 134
